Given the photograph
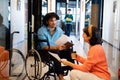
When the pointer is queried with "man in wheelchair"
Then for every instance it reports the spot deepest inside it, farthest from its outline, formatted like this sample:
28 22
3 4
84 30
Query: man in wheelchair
51 32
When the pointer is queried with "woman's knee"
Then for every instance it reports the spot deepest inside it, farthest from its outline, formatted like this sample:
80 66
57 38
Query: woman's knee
73 75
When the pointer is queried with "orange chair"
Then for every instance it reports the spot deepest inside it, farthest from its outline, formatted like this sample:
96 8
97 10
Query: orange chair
4 57
2 49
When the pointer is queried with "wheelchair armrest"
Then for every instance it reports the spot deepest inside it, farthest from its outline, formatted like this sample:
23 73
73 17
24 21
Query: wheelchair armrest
40 40
45 40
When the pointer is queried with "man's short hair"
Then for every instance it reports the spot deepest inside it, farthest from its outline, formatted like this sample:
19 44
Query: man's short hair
69 9
49 16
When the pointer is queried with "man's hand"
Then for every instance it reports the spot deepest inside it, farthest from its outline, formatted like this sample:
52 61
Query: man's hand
73 55
61 47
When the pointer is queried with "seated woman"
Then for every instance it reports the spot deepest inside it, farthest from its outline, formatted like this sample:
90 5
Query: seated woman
94 67
51 32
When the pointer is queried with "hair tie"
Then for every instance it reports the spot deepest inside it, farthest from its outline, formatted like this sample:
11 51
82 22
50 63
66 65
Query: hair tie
90 30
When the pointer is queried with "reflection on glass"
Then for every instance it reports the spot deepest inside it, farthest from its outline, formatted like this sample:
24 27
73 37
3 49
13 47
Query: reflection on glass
44 7
4 34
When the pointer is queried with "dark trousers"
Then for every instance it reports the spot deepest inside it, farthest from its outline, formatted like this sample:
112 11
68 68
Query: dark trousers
68 28
46 57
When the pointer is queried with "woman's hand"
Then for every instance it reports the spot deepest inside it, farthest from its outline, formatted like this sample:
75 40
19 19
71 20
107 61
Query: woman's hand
65 62
68 63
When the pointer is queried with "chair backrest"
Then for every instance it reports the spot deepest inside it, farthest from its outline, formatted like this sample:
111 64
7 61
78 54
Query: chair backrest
4 54
2 49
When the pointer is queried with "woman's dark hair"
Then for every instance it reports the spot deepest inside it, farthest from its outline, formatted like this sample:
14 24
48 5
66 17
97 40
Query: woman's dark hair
94 33
49 16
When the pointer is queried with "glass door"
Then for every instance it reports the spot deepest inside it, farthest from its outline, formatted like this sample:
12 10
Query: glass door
62 8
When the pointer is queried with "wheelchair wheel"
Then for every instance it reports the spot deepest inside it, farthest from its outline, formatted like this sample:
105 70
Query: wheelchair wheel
49 77
17 63
33 65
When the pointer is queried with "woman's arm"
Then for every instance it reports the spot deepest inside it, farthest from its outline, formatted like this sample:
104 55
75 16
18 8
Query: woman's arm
87 63
80 59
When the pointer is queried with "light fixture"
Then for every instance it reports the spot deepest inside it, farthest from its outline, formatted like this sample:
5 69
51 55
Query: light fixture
67 1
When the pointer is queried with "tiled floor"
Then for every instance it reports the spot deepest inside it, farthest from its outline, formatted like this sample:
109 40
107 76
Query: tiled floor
111 54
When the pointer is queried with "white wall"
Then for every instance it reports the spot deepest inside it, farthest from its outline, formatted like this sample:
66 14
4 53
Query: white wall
18 24
111 31
17 20
108 21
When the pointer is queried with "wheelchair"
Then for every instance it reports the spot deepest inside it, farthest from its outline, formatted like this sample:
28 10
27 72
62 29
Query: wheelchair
40 60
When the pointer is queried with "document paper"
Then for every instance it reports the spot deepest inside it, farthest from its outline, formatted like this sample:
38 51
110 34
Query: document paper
62 40
55 55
